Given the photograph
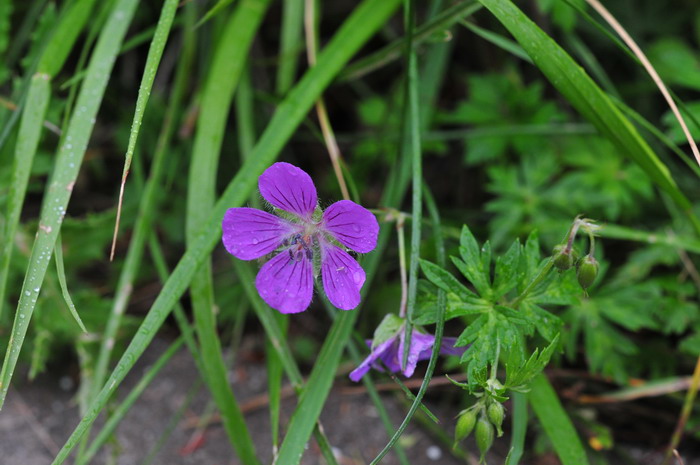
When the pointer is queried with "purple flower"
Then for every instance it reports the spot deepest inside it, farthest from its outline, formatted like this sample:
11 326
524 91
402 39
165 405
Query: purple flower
390 353
306 240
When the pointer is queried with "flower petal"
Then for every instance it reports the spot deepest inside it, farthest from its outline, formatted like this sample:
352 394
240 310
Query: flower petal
378 351
352 225
287 187
286 284
420 343
448 347
249 233
342 277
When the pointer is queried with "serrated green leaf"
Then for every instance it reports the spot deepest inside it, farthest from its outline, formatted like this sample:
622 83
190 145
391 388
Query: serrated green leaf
472 263
445 281
508 271
519 374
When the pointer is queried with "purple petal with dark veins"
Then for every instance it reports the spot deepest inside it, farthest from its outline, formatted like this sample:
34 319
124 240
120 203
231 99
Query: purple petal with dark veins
249 233
289 188
352 225
342 277
378 351
285 283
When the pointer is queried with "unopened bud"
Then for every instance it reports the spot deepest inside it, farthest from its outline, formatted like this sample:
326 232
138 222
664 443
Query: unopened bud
563 258
465 424
496 412
587 271
484 436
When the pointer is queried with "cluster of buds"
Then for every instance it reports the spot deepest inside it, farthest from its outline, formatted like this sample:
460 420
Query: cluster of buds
564 256
485 418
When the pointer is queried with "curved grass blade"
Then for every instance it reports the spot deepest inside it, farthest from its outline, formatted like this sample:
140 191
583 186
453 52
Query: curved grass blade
588 99
61 272
358 28
67 165
155 52
556 422
291 44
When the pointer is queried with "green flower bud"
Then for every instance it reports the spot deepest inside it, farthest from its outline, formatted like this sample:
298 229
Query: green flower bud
465 424
496 412
563 259
484 436
587 271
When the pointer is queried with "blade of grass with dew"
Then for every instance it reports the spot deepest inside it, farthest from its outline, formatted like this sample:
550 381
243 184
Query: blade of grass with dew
394 50
291 44
155 52
25 149
556 422
228 63
362 23
61 272
32 120
517 440
67 165
120 412
587 98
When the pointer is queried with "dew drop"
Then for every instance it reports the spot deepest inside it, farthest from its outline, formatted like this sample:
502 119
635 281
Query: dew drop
255 241
356 227
27 293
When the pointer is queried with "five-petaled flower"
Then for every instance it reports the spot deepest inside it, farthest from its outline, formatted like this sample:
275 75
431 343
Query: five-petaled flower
390 352
307 241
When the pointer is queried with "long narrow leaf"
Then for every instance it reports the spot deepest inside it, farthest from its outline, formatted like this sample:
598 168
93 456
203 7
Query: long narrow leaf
69 159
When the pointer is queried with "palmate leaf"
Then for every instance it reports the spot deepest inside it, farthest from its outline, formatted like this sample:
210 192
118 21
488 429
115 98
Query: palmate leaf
518 374
501 330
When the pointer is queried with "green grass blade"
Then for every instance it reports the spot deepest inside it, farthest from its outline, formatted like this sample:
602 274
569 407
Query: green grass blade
67 165
64 37
213 11
517 440
291 44
556 422
27 142
588 99
226 69
155 52
359 27
61 272
498 40
120 412
412 128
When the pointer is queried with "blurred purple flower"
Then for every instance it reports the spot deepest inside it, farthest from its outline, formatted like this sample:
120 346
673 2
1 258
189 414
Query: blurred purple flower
390 353
304 238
